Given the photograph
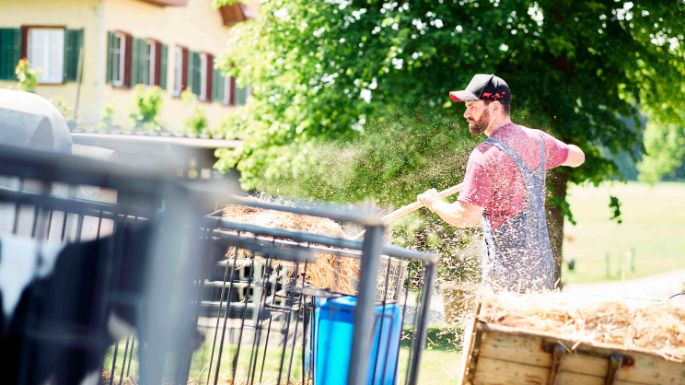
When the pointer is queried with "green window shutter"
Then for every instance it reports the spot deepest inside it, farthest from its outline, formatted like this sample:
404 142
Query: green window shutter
73 44
222 87
137 61
198 71
240 95
163 66
10 52
194 72
143 57
110 56
134 61
216 79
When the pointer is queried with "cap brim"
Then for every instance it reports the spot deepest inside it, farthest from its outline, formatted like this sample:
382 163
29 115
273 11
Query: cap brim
463 96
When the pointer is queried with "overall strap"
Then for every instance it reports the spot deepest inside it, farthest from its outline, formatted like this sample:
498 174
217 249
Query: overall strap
525 171
541 166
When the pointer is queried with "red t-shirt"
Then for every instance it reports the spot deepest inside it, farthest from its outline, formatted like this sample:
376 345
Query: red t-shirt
494 182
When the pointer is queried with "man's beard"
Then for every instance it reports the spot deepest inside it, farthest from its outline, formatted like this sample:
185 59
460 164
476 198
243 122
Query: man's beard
478 127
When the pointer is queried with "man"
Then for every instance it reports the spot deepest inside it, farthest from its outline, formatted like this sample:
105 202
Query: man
504 186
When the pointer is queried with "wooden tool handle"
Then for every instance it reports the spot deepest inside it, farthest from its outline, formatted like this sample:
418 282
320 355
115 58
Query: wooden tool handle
404 210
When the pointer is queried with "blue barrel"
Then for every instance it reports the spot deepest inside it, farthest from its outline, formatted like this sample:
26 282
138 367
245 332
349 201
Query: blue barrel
334 320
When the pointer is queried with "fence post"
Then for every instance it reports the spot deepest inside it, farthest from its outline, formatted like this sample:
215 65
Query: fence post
421 326
365 314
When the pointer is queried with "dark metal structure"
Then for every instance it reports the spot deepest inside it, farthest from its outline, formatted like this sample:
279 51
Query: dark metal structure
173 296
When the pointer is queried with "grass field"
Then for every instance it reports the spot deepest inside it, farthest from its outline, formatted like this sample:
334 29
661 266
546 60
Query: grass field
651 239
439 365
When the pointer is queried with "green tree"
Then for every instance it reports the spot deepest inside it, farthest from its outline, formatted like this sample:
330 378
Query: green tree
320 70
665 145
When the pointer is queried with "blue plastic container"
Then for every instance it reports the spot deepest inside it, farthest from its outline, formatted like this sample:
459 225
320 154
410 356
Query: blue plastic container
334 320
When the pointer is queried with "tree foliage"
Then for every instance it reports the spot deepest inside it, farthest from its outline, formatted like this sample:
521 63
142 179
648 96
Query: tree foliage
320 71
665 145
400 154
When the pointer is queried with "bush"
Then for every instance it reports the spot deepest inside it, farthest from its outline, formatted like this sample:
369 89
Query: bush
27 77
394 157
147 104
438 337
64 109
389 161
106 117
196 124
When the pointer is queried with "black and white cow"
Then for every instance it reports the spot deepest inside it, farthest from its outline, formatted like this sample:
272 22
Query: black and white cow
63 307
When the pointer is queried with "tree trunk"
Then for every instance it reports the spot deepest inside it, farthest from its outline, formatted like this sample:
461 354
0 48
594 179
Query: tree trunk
557 185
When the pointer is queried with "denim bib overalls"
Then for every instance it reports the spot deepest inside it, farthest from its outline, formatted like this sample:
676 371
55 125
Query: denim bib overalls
518 255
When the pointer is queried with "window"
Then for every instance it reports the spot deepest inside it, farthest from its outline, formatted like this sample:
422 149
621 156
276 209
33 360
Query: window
118 57
133 60
227 90
200 70
180 63
45 52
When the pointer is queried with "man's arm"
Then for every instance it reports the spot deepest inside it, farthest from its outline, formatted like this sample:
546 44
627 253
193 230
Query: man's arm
458 214
575 157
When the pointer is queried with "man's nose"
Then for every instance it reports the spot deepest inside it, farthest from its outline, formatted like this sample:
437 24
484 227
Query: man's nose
466 114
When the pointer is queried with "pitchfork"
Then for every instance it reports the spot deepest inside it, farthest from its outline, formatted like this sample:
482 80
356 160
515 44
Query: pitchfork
410 208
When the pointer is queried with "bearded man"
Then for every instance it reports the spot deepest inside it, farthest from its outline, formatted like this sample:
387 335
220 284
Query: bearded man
504 187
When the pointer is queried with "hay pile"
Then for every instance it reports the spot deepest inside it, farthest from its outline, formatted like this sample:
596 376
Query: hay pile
335 273
658 327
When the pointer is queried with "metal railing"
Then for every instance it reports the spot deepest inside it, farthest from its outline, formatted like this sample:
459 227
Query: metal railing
210 300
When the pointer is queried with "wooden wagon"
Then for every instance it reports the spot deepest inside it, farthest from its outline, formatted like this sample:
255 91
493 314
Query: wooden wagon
500 355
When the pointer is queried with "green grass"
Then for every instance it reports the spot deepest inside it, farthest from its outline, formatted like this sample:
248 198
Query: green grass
438 367
440 362
201 361
653 230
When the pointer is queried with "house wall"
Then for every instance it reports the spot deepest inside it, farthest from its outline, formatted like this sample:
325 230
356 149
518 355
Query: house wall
70 14
197 26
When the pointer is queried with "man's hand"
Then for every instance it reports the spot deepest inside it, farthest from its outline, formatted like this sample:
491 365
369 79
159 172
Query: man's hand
456 214
428 198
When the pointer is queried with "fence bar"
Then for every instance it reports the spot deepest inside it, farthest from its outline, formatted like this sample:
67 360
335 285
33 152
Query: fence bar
364 313
420 334
344 243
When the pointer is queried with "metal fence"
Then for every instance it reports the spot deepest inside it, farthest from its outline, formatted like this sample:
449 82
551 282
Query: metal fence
127 282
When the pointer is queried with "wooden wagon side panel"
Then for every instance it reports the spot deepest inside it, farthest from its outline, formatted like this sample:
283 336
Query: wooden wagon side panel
499 355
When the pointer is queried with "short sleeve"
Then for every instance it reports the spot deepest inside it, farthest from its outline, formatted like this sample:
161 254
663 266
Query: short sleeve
556 151
477 185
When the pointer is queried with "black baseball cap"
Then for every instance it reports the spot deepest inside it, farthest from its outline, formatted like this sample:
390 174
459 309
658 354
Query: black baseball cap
484 87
